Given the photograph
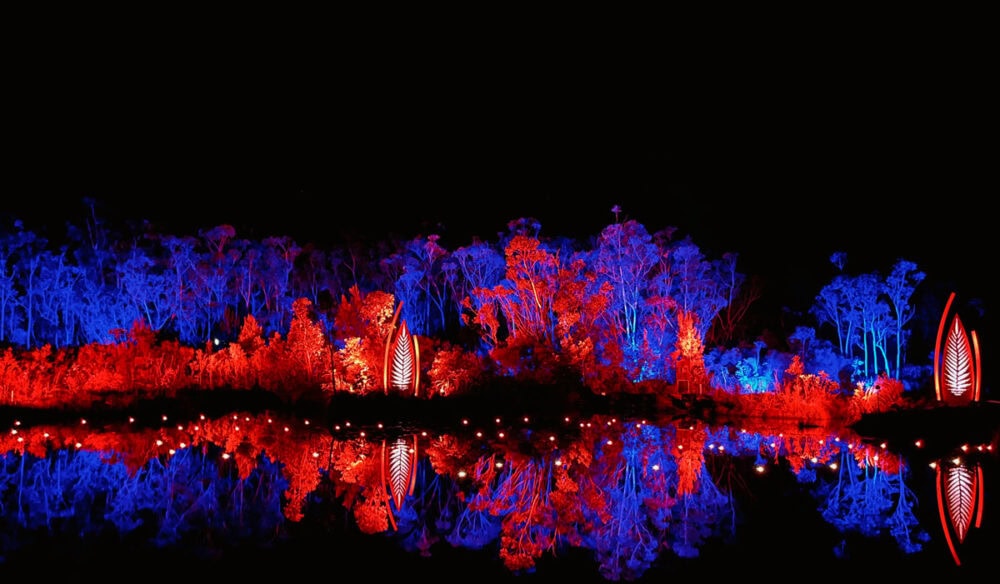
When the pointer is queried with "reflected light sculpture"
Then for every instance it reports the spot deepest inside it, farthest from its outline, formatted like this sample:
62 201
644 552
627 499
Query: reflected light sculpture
399 471
960 498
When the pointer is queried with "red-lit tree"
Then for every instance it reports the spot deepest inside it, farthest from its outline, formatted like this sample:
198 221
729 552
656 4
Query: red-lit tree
363 323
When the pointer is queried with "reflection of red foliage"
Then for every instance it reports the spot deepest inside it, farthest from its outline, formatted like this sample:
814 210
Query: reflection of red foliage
372 512
690 455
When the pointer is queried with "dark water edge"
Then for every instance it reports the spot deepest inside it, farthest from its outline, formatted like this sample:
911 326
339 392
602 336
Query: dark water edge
782 550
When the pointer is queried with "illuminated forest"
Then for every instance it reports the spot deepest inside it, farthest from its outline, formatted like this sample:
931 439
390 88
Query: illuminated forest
110 314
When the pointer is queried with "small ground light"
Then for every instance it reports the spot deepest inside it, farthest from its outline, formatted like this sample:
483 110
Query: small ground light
759 468
462 474
919 443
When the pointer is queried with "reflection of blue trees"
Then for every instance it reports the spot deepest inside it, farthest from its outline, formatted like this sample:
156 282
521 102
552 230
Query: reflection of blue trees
429 512
475 526
869 501
698 516
627 534
186 499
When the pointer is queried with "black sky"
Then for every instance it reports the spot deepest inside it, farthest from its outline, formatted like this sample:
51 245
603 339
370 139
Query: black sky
779 152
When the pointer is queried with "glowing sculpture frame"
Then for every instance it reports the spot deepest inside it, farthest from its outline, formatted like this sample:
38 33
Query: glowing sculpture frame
957 366
401 368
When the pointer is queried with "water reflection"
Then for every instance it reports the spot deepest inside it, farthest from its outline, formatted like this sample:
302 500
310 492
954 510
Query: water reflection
629 496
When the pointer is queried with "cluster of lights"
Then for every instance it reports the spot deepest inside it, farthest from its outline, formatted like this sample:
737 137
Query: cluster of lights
760 468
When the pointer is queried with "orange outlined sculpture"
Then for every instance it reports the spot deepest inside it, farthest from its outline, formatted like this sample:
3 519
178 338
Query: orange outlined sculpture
957 366
401 369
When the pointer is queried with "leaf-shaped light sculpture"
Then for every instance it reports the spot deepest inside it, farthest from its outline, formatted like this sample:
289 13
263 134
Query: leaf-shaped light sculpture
401 372
957 365
957 373
401 369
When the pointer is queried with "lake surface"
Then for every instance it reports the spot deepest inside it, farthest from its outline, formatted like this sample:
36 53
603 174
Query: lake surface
544 497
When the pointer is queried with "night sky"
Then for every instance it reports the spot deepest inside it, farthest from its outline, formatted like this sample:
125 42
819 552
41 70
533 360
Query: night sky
783 155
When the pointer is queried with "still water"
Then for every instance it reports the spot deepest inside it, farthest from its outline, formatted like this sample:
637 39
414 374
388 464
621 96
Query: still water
582 497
